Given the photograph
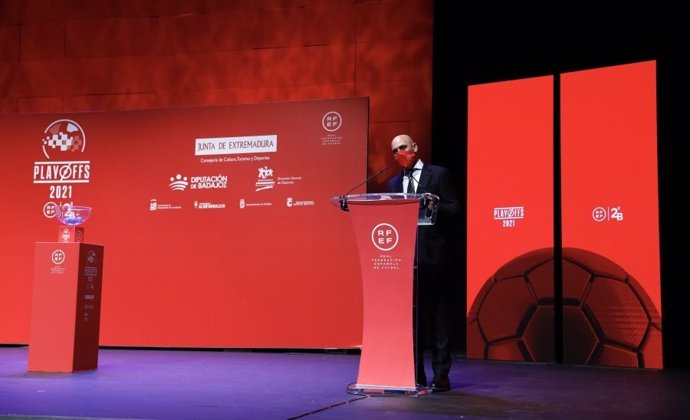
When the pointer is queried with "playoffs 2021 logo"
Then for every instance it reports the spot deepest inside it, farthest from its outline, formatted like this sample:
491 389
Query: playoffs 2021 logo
63 140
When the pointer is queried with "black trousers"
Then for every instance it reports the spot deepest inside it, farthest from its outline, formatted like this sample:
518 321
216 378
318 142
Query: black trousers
432 325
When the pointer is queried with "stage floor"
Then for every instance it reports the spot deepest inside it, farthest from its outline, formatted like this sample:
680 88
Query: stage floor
312 385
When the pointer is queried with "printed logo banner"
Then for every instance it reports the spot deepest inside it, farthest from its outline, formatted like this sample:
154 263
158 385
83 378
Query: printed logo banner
510 214
216 221
605 288
609 188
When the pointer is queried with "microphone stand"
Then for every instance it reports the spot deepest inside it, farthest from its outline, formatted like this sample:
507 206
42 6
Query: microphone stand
343 198
424 199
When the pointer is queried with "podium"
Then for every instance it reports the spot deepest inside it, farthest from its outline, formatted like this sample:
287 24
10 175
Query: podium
65 313
385 227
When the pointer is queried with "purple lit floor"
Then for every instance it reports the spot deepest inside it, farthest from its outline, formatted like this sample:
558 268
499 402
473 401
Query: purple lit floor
207 384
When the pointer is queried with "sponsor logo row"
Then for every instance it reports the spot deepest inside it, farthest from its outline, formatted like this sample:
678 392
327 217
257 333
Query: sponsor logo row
242 203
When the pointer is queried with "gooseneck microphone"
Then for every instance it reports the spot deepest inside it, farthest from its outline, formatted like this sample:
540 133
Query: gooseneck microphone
343 198
424 200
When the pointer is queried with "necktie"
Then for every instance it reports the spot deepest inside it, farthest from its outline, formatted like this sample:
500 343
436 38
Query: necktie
410 183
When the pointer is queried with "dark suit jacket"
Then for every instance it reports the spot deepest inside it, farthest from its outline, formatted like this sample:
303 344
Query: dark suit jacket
432 240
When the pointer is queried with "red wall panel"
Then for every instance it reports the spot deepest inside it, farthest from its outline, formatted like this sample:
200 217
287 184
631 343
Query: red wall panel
127 54
111 37
329 24
44 41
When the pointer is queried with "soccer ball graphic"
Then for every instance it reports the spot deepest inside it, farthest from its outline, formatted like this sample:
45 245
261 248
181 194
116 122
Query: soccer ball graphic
608 318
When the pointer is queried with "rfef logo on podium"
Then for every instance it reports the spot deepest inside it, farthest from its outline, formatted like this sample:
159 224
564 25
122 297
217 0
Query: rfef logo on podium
384 236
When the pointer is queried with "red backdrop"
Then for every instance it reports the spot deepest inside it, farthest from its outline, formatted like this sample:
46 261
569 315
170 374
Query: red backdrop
85 55
230 245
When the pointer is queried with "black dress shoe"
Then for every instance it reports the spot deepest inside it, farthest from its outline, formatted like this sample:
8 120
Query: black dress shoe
420 379
441 384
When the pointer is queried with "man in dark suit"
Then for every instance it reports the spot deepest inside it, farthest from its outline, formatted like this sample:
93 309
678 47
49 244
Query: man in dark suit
432 323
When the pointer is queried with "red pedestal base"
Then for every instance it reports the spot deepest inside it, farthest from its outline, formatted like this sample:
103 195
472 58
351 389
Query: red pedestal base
65 316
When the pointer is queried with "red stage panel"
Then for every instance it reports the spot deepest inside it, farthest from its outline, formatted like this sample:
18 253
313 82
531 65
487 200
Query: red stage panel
610 210
509 214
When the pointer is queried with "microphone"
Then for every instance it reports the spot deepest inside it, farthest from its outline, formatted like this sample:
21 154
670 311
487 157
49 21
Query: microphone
412 178
424 200
343 198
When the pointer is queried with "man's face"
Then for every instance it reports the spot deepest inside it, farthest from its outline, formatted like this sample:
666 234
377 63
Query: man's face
404 151
403 143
